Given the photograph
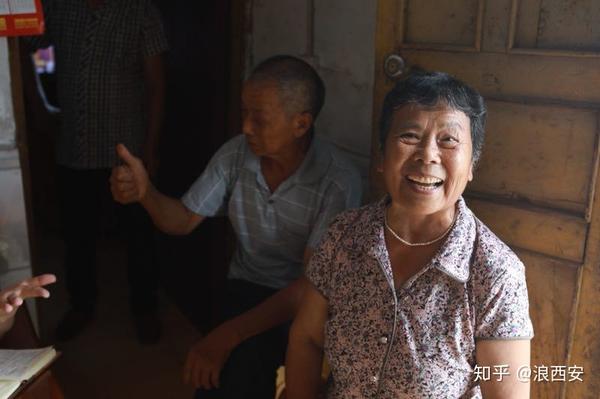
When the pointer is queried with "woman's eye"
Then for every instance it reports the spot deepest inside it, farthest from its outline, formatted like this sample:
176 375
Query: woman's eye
409 137
449 141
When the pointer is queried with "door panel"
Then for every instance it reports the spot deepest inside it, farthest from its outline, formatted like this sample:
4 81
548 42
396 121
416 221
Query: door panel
453 27
535 229
551 307
537 63
520 77
528 146
558 25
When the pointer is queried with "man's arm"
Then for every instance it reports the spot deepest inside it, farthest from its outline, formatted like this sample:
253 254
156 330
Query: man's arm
207 357
277 309
130 183
514 354
154 77
305 347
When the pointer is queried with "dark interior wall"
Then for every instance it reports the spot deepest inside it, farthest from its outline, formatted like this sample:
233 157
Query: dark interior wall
197 70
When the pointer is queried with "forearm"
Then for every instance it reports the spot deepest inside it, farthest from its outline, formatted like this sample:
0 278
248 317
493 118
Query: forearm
168 214
505 390
512 353
277 309
303 366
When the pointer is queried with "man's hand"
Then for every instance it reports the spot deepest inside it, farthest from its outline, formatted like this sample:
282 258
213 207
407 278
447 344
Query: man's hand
129 182
12 297
207 357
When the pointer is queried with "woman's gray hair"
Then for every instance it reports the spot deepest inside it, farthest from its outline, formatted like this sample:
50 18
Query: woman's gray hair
429 89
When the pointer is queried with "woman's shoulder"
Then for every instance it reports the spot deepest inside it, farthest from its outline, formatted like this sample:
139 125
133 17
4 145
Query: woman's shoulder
493 257
352 221
354 217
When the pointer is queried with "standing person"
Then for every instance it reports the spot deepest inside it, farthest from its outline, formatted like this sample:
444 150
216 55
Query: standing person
280 186
110 90
408 295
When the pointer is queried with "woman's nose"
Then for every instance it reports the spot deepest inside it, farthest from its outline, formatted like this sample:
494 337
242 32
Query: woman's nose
428 151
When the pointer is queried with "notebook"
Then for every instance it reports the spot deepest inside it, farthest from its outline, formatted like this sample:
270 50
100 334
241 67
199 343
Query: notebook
21 365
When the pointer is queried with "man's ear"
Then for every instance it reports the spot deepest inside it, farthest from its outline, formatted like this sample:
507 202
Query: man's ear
303 123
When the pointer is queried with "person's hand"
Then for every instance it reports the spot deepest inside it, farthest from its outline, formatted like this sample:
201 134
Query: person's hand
129 182
12 297
207 357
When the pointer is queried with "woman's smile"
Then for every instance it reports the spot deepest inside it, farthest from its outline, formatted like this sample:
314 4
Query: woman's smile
424 184
427 158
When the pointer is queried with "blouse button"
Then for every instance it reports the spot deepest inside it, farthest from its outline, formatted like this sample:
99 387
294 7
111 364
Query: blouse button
383 340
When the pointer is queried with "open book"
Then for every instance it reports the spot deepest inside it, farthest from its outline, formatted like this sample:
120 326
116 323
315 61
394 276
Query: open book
18 366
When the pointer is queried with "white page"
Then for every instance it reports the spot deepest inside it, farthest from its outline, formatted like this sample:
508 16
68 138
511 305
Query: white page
22 6
14 364
7 388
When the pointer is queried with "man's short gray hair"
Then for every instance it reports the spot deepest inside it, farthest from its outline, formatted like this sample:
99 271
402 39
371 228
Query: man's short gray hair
300 86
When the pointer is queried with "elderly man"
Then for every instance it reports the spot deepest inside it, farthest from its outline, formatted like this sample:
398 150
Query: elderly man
280 187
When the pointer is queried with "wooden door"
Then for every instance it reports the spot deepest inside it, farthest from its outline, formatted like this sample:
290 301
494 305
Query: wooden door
537 63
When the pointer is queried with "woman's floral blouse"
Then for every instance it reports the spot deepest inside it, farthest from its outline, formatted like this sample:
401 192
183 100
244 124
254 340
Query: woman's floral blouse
418 340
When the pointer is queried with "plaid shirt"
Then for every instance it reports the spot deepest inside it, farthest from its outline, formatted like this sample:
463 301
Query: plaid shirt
274 228
99 56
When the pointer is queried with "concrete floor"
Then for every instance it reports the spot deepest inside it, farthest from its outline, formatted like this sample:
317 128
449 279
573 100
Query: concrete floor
106 362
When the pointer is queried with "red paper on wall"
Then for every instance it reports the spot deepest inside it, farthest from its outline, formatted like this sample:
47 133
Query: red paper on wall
21 18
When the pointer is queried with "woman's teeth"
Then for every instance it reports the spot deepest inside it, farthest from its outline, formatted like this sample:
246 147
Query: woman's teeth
425 180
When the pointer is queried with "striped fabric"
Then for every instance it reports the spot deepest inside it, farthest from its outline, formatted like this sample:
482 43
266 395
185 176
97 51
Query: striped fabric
274 229
99 56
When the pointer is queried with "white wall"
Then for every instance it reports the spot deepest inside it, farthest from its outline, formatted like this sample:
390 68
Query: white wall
338 38
15 261
7 120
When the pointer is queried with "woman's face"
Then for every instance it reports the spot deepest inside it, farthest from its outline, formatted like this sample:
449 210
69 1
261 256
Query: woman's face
427 160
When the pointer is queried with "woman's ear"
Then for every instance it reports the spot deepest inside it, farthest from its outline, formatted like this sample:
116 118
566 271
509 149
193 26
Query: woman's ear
471 171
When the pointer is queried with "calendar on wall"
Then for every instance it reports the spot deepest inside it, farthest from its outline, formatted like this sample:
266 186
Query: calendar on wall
21 18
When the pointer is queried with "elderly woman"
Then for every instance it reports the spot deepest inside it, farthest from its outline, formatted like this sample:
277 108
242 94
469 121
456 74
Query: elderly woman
413 296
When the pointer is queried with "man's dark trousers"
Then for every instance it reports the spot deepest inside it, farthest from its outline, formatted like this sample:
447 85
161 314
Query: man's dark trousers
251 370
83 195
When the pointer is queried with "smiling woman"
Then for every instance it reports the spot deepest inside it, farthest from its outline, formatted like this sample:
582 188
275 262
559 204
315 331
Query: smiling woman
414 290
427 163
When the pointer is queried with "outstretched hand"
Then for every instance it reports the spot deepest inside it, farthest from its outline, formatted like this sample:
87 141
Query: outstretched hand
11 298
206 358
129 182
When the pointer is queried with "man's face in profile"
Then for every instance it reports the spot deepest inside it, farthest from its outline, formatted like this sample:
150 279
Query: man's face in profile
268 126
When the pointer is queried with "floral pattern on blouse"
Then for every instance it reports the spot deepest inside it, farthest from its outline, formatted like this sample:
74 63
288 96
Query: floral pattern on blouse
417 340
